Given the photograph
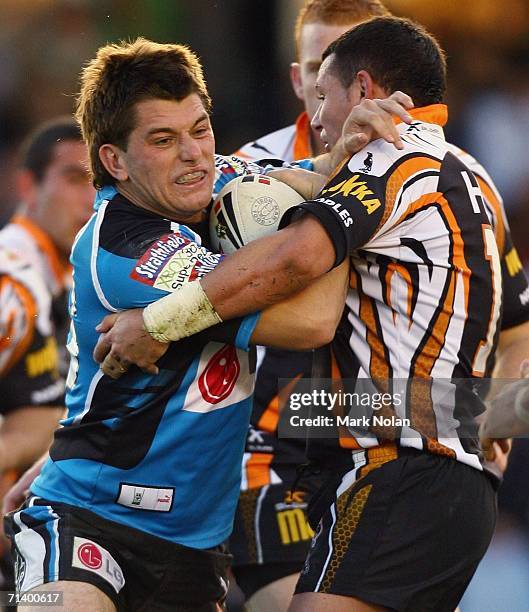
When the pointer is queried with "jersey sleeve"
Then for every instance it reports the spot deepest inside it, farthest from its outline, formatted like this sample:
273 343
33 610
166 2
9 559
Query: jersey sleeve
350 207
515 285
161 267
29 359
229 167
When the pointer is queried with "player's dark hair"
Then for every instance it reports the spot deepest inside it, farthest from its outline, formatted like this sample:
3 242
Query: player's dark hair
36 151
397 53
120 76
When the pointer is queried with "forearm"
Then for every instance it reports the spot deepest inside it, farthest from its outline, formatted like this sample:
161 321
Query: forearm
25 434
513 348
306 183
327 163
269 270
308 319
260 274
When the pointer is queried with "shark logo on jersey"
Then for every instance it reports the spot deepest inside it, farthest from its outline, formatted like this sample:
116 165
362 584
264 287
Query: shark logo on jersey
223 378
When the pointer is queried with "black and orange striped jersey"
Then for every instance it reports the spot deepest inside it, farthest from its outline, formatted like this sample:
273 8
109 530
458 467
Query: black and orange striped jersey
34 283
425 296
29 362
515 285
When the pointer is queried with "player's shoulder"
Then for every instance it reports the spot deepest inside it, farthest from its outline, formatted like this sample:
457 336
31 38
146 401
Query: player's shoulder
424 149
125 230
475 166
274 144
21 278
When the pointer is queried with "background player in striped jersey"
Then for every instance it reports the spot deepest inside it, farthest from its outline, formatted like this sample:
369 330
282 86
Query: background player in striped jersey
55 198
318 23
54 202
450 341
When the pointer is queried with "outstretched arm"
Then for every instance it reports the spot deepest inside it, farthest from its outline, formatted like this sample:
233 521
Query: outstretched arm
304 321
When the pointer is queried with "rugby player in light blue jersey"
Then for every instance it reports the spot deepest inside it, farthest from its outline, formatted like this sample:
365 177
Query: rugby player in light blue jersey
131 510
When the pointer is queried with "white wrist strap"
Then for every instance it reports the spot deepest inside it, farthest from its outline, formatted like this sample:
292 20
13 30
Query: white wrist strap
521 405
180 314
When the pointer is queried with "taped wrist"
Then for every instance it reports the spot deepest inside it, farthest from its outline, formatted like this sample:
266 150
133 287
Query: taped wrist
180 314
521 405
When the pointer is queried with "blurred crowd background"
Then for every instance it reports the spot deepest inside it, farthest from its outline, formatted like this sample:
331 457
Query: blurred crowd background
246 48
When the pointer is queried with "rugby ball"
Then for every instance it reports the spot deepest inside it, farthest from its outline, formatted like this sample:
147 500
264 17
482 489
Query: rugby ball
247 208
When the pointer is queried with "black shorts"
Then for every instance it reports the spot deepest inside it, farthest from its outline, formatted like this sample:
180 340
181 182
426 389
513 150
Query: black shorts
138 571
271 523
408 536
271 533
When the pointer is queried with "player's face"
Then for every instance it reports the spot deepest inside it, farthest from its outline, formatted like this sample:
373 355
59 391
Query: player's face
314 39
169 162
64 197
335 104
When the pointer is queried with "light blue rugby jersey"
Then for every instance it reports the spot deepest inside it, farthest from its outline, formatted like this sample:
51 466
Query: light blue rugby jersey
158 453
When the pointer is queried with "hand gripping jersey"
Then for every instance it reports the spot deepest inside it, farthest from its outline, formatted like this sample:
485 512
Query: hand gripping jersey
426 285
30 278
158 453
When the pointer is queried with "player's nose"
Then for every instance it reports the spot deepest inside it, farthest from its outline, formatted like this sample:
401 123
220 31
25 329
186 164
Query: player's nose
190 149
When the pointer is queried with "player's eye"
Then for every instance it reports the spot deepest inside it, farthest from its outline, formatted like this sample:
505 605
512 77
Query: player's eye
162 141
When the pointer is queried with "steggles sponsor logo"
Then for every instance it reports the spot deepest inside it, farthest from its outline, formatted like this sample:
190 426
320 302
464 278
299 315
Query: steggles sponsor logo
155 257
173 261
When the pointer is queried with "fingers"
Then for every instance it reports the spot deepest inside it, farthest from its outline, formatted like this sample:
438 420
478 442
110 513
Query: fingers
353 143
524 368
150 369
114 366
489 451
401 98
394 108
107 323
102 348
374 121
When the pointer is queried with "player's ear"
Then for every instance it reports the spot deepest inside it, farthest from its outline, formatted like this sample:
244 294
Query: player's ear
112 159
295 79
366 85
27 188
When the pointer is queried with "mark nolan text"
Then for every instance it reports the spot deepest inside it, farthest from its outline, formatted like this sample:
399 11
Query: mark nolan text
347 421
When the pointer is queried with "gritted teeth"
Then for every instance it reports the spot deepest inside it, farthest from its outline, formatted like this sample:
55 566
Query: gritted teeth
192 176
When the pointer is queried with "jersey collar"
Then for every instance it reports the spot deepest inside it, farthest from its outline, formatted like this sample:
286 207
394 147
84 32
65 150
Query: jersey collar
59 269
302 149
434 113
